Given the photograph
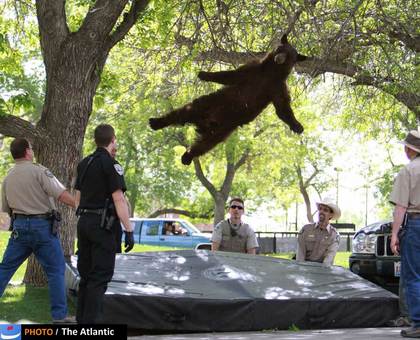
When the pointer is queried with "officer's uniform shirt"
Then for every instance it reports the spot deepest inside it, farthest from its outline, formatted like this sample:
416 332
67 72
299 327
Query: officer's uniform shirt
28 187
406 189
103 177
245 237
317 245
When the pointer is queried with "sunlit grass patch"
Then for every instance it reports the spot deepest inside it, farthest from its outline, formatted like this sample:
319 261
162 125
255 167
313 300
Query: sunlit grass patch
341 259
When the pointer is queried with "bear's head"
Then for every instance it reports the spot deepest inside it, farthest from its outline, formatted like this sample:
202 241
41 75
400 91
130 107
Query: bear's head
285 55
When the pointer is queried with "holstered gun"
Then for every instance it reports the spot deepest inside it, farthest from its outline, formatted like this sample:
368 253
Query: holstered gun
12 220
403 228
55 221
104 214
111 217
108 215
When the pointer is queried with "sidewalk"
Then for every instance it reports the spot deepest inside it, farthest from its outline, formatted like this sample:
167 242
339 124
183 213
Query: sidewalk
329 334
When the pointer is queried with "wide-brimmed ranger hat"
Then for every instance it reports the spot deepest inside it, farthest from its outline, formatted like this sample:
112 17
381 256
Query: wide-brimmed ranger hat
412 140
336 210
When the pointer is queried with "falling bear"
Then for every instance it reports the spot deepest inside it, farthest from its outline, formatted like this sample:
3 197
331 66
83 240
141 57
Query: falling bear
247 92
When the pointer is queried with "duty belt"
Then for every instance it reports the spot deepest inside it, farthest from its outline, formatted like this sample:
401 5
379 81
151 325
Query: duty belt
44 216
413 215
90 211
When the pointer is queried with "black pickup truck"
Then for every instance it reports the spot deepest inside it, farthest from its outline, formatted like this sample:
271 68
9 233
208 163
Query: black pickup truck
372 257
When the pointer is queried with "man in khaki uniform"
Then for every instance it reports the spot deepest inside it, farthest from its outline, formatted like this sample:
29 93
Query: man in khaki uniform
26 195
406 198
233 235
318 242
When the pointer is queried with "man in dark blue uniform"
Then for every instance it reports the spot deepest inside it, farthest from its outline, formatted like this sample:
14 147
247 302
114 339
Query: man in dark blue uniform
102 205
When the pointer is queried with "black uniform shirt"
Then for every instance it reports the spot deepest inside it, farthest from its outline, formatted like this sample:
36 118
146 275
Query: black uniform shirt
103 177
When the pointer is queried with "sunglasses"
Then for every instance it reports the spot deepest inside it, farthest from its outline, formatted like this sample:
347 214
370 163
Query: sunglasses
236 207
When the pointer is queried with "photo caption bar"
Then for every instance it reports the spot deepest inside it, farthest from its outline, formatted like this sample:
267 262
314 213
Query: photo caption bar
36 331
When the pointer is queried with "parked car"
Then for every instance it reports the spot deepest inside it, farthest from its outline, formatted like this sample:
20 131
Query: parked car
372 257
171 232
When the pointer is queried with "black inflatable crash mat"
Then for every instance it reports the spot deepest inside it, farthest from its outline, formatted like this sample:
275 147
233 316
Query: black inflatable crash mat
198 290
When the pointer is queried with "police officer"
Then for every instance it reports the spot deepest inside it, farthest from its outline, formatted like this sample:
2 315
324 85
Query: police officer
319 242
406 198
232 234
101 205
27 196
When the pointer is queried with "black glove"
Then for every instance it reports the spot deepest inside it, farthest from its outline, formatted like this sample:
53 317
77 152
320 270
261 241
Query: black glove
128 241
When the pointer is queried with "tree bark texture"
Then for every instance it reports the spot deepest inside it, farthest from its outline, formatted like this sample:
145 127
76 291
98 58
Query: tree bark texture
220 196
219 208
303 188
73 62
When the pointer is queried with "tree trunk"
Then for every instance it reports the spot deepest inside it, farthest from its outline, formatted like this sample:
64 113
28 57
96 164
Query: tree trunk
303 186
73 63
219 208
67 107
307 204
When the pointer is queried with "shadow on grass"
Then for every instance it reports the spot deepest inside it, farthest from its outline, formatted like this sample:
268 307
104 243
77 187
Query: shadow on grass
25 302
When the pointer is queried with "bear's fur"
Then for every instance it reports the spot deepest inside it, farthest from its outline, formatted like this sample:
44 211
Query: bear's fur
248 91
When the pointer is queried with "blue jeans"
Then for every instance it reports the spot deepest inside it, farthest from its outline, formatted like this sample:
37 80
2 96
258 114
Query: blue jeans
402 289
410 269
34 236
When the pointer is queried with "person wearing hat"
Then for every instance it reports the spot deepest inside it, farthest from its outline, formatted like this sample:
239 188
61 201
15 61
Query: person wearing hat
318 242
405 196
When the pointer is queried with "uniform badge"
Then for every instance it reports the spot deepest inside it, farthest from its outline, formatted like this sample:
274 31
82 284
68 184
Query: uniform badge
119 169
48 173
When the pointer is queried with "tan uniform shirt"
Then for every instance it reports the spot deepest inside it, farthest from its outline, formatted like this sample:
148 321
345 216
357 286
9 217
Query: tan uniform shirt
406 190
27 187
244 239
317 245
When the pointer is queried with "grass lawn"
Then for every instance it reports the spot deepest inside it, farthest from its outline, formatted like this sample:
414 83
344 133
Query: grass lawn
341 259
24 302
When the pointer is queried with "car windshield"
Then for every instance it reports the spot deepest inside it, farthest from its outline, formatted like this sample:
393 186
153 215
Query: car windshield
191 226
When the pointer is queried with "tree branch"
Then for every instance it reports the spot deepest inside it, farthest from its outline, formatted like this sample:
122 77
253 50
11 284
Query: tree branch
227 182
179 212
13 126
412 43
53 28
242 160
200 175
309 180
101 19
129 20
304 192
317 66
395 30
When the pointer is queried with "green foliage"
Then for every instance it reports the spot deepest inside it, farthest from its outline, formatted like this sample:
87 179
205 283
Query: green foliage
154 70
294 328
21 79
23 302
384 187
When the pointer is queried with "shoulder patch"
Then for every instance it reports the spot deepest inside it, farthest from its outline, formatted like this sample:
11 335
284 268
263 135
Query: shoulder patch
118 168
48 173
